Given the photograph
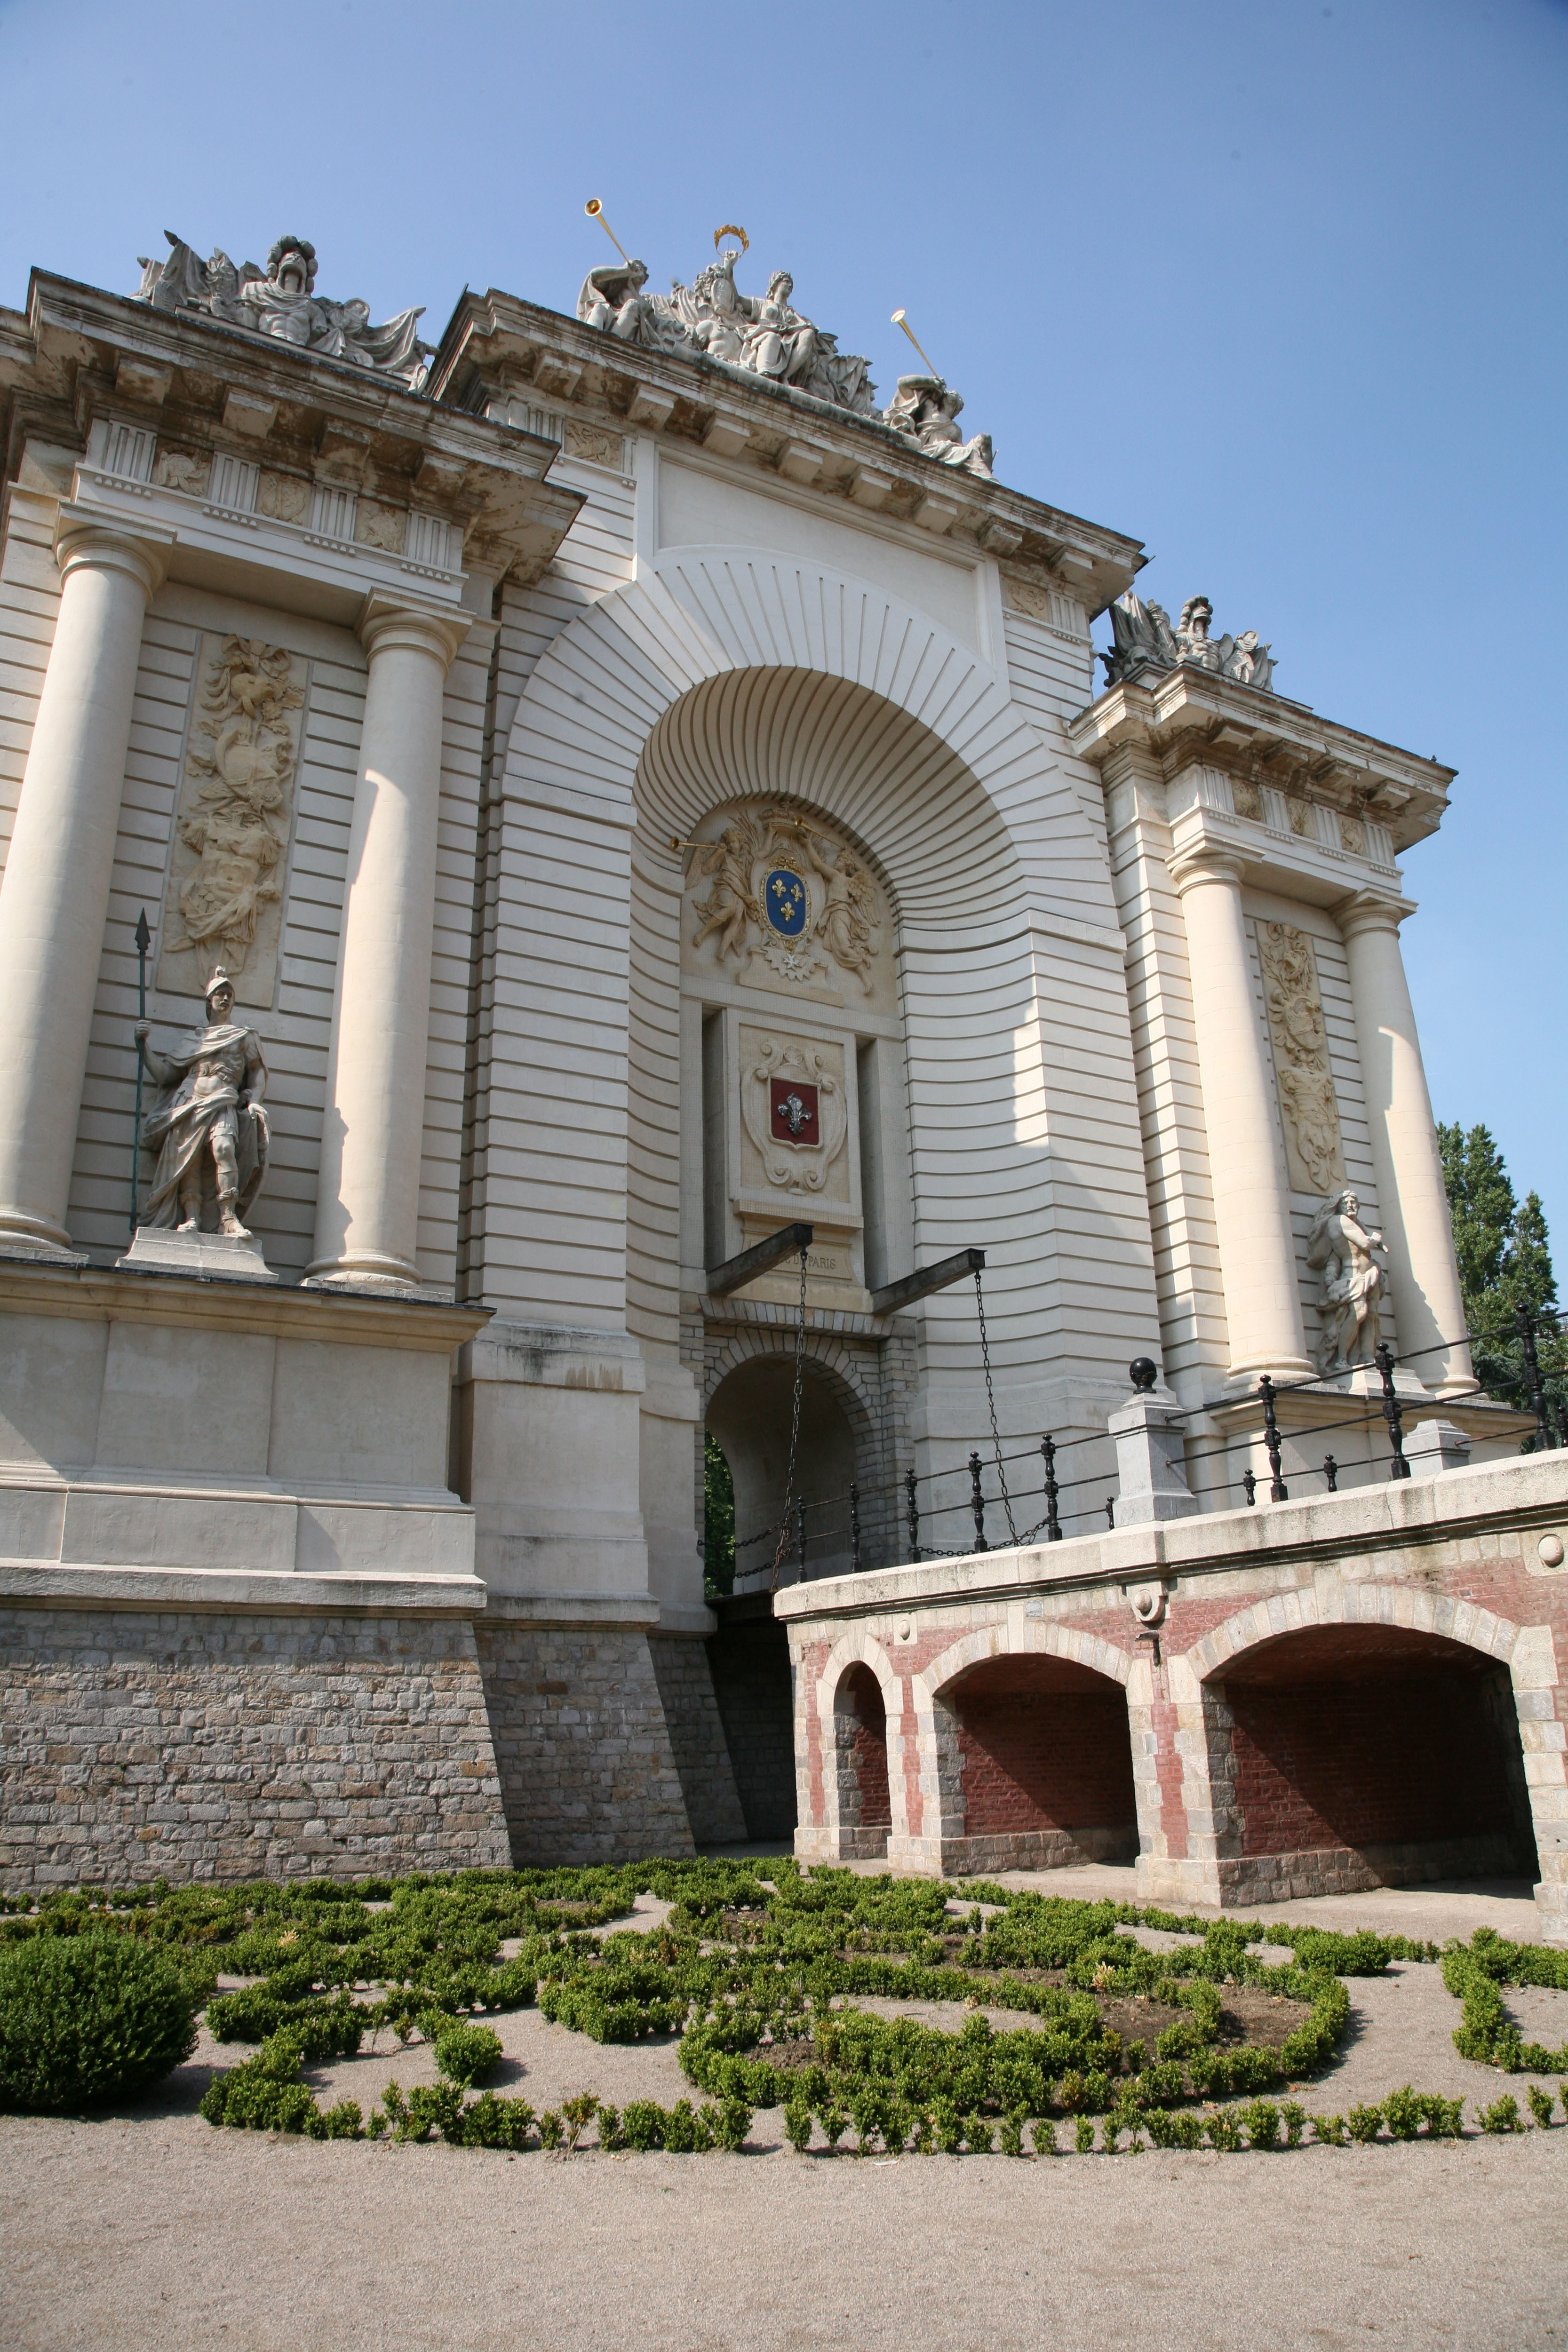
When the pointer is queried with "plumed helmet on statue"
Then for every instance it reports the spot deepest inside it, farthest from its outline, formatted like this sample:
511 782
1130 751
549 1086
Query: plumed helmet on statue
220 978
306 253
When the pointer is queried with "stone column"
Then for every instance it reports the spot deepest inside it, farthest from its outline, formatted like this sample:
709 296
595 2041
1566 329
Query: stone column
1252 1209
367 1199
1411 1200
55 896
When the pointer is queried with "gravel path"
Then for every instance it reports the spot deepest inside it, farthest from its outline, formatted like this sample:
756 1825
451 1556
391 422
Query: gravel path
152 2229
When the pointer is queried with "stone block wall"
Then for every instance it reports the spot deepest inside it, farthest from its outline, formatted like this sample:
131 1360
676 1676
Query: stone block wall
136 1745
587 1768
750 1660
697 1739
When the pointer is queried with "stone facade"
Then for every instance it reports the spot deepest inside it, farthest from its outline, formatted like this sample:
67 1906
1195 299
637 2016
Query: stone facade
194 1744
649 795
1299 1699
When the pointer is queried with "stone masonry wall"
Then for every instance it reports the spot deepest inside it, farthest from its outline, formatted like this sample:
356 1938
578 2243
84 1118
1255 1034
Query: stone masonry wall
697 1737
135 1745
587 1768
750 1659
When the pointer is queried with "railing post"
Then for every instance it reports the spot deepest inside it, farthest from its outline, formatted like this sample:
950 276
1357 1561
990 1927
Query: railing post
1249 1487
1392 1412
800 1532
1053 1520
1278 1490
1331 1473
914 1509
1111 1511
1525 1325
977 1503
854 1526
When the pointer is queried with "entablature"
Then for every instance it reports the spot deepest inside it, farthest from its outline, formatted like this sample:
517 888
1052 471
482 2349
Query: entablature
515 362
268 464
1248 755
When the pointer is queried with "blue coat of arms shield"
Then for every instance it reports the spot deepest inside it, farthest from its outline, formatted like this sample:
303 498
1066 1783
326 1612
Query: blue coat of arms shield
784 902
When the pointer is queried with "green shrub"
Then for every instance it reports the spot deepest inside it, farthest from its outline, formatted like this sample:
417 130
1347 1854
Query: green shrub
1502 2115
1329 2130
1363 2124
1010 2133
1083 2136
86 2018
1261 2118
1295 2116
1225 2129
611 2135
798 2125
468 2054
1403 2113
1540 2104
642 2125
492 2122
1445 2117
551 2128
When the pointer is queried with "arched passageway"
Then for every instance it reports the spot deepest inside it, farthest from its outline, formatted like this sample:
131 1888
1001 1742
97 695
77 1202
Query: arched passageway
861 1757
1391 1753
749 1417
1044 1766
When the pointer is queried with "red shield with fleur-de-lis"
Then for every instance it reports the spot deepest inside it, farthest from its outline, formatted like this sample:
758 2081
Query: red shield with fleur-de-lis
793 1111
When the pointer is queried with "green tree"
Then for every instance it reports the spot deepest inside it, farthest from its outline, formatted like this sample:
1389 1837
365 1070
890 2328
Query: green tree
717 1520
1505 1265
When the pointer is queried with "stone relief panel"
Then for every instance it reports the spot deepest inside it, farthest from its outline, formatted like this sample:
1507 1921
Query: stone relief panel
776 900
1308 1112
224 900
794 1113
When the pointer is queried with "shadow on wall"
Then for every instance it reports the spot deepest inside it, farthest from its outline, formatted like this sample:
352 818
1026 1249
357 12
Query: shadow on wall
749 1656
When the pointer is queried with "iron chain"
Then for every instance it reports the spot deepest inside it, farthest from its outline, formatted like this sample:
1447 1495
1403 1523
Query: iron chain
991 1401
793 1442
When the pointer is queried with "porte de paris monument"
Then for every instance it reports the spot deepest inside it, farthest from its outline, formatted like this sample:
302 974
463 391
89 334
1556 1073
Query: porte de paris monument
653 925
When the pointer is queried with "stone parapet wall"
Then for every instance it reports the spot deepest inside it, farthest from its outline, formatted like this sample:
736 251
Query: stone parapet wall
588 1770
201 1745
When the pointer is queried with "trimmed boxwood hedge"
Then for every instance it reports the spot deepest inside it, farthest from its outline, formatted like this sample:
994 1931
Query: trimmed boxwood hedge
90 2019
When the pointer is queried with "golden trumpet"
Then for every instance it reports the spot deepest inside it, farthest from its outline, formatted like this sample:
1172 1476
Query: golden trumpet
595 211
899 320
733 228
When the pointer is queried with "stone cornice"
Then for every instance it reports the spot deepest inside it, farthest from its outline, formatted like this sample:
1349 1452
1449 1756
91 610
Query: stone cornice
92 1293
208 388
500 357
1192 718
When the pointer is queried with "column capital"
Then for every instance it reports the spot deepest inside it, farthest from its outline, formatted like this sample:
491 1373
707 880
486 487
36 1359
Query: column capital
413 626
84 538
1206 862
1370 911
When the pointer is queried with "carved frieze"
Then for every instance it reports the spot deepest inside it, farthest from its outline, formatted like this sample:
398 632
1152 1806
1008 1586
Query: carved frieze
774 899
1308 1109
595 445
224 900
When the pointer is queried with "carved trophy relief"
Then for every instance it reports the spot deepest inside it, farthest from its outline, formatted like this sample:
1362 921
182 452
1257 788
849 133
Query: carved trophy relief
284 498
224 900
774 897
380 527
189 470
596 445
794 1108
1308 1112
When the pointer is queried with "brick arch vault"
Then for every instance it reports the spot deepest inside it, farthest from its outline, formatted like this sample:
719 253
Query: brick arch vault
1418 1699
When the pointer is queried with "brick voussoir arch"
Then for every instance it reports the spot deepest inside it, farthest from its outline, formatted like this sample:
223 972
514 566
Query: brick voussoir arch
1366 1604
859 1648
1034 1638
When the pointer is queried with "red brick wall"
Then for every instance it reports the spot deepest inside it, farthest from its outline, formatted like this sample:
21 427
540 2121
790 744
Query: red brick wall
1044 1759
1366 1763
862 1692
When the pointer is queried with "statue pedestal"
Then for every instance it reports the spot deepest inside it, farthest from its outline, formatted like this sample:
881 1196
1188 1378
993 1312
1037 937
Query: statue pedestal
158 1249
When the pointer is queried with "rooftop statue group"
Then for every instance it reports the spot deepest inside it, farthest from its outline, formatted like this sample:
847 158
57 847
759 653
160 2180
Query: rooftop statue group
1145 641
765 335
281 301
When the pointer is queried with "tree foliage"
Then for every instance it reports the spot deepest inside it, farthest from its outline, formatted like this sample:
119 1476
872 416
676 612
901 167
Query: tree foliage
1505 1267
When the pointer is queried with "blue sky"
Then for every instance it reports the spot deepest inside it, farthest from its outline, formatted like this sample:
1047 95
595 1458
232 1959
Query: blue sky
1278 290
